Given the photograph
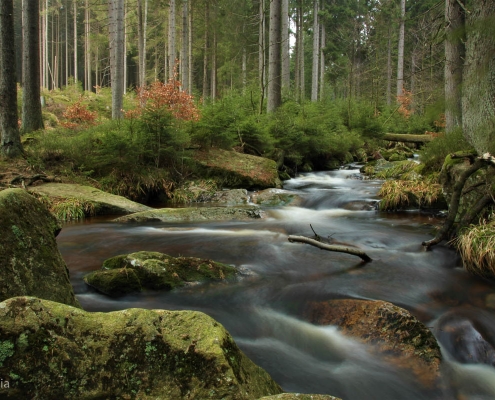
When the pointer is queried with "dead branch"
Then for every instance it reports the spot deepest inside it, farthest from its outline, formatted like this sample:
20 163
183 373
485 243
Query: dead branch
330 247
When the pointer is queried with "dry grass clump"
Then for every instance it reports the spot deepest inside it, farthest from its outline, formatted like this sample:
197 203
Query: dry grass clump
397 194
476 245
398 170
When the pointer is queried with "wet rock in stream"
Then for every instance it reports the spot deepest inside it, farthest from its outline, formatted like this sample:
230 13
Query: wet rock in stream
392 332
134 272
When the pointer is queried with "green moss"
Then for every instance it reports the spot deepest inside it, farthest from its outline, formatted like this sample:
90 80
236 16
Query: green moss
6 350
115 282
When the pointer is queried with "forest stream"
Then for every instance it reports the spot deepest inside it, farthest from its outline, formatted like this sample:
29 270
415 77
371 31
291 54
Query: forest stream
264 310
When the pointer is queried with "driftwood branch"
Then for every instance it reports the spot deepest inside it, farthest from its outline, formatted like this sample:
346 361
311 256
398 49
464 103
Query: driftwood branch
330 247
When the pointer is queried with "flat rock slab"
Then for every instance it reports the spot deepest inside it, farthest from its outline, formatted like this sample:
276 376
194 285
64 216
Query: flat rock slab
54 351
300 396
193 214
276 198
105 203
392 331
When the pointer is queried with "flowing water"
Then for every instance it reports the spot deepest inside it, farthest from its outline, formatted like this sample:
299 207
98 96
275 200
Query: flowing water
264 310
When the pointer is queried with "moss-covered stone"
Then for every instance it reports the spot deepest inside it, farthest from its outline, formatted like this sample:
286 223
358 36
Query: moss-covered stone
30 260
392 331
105 203
191 214
155 271
238 170
56 351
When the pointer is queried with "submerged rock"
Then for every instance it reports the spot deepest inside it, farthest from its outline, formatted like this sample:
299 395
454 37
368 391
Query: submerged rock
54 351
236 170
104 203
191 214
30 260
130 273
275 198
392 331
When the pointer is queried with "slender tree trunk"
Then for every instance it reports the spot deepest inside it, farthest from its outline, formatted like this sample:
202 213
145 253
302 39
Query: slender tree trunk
454 60
302 73
316 52
9 129
213 82
116 28
184 67
87 48
400 58
244 68
125 50
205 52
389 68
285 46
171 40
45 50
32 118
145 39
322 61
140 42
66 42
74 3
261 50
274 95
190 48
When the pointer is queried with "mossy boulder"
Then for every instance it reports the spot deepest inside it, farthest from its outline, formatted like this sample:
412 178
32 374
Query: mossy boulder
193 214
104 203
275 198
299 396
130 273
393 332
53 351
236 170
230 197
30 260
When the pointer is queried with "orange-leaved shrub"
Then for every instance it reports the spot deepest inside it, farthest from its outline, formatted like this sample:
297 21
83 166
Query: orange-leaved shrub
78 114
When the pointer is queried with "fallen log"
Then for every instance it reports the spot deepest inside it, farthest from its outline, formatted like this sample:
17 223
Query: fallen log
330 247
398 137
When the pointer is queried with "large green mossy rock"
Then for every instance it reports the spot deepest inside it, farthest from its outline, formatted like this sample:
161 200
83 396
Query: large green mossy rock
104 203
391 331
130 273
238 170
53 351
31 264
195 214
276 198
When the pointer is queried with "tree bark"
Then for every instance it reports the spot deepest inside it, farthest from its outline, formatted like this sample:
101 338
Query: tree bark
478 90
184 66
75 39
285 46
116 27
400 57
454 60
9 129
316 52
32 119
261 52
171 40
274 95
322 61
340 249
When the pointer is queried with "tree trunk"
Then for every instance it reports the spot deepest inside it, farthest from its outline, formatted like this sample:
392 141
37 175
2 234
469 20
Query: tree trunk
32 118
190 48
322 61
9 129
261 50
75 39
400 57
478 97
87 48
205 52
316 52
171 40
116 28
454 60
285 46
389 68
184 66
140 42
274 95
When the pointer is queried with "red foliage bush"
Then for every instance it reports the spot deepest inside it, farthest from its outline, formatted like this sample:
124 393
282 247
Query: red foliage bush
78 114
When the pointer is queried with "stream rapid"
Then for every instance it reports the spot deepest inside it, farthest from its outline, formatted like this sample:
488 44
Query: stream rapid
264 310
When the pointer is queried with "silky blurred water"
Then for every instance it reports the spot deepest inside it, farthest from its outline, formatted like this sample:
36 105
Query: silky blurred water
264 309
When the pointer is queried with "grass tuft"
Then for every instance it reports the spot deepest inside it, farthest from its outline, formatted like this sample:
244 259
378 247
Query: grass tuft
476 245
